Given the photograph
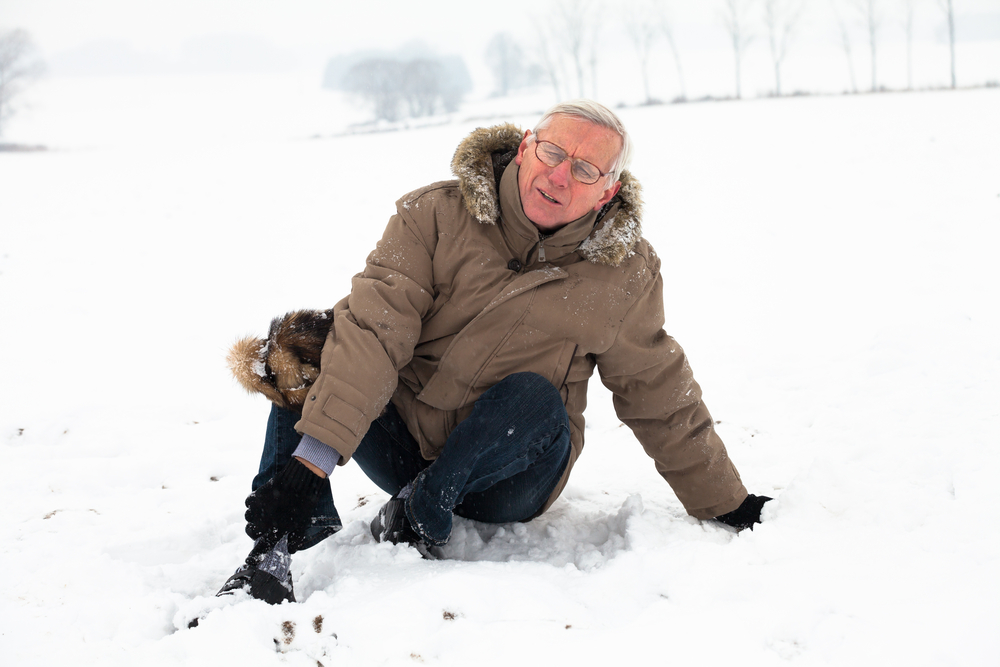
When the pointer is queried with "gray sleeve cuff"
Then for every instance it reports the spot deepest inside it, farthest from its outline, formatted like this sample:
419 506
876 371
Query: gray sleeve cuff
322 456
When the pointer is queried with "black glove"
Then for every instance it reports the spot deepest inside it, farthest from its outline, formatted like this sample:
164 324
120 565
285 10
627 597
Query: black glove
283 505
746 515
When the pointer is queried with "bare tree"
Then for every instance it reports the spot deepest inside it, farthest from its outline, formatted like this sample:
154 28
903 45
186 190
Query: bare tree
455 82
505 59
575 29
665 25
422 82
845 44
640 24
781 18
548 59
872 18
735 18
572 36
20 65
593 45
909 10
947 8
379 82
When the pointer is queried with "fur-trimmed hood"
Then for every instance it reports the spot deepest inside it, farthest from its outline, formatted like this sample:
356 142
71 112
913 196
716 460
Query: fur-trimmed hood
480 160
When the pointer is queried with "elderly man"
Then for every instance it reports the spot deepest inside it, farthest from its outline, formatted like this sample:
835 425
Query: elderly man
455 373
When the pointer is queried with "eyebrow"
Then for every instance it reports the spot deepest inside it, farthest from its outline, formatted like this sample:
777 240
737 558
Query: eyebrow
538 137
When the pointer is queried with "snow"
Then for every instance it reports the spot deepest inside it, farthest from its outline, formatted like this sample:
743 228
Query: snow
829 267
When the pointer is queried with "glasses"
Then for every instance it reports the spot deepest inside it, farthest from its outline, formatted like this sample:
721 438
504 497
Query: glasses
553 156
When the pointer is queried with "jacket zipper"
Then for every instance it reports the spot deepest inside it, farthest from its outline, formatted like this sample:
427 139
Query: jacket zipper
541 248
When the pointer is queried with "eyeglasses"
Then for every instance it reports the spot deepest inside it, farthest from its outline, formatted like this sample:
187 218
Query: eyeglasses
553 156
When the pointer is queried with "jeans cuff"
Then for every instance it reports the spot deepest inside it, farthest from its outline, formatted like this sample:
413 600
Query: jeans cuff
321 528
435 538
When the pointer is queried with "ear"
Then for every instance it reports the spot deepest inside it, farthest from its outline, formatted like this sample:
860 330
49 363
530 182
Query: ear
523 147
608 194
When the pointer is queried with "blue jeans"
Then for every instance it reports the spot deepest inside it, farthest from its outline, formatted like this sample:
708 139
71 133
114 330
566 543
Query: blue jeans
499 465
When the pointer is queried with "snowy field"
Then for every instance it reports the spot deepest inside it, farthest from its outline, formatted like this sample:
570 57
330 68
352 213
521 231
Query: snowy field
830 268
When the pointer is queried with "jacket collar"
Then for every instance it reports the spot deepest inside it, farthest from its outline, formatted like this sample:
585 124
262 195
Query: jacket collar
479 162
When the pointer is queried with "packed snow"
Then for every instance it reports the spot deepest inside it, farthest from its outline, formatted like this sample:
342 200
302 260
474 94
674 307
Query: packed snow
830 268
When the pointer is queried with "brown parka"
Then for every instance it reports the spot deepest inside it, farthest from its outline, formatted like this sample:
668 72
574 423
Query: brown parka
462 291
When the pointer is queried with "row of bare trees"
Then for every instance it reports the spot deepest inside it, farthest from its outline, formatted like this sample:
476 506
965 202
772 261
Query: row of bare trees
567 41
873 16
567 46
781 18
647 22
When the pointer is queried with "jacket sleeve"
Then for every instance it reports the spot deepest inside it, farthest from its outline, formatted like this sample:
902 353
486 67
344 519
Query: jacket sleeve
655 394
374 332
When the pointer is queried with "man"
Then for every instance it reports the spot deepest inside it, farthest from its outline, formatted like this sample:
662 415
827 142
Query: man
455 373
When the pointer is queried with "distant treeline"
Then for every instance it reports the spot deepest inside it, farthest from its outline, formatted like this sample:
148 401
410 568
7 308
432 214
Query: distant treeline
567 42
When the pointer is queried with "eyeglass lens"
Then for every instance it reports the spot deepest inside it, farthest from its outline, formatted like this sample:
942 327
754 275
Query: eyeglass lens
553 156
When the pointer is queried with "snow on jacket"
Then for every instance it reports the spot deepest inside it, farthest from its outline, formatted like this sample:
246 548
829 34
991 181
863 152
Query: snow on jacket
462 291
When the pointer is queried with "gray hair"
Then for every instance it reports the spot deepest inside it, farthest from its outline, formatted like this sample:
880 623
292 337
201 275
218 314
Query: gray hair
598 114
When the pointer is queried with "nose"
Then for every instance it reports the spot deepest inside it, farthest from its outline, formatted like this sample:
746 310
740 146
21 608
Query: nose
562 173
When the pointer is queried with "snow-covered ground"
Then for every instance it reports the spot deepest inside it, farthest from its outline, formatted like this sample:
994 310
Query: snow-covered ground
831 270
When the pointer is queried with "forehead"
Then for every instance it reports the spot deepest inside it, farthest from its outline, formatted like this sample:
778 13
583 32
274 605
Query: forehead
583 140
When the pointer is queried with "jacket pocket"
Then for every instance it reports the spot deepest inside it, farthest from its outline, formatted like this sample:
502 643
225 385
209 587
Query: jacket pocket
525 349
345 414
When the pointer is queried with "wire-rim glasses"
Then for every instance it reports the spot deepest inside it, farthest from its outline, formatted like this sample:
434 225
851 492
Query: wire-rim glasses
553 156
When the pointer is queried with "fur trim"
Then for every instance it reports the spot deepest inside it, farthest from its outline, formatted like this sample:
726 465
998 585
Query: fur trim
284 366
613 239
473 165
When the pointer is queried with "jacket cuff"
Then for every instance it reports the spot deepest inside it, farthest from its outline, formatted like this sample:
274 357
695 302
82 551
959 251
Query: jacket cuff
322 456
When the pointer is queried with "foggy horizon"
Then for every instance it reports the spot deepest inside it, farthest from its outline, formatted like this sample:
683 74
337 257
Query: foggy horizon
119 64
115 37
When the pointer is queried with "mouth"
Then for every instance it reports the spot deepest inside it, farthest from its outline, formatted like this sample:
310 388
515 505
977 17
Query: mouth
548 197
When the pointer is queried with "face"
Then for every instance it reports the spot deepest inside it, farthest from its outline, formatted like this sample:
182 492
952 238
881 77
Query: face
550 196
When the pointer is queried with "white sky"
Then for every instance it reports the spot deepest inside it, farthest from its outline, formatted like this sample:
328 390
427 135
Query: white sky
300 25
316 29
300 36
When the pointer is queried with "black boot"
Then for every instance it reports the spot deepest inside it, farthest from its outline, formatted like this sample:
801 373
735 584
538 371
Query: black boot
260 585
391 525
257 576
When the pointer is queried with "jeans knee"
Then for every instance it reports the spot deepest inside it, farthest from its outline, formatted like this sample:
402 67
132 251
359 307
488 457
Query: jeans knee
528 384
530 396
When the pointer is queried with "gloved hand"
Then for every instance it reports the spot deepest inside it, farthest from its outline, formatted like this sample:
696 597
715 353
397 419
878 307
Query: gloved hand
283 505
746 515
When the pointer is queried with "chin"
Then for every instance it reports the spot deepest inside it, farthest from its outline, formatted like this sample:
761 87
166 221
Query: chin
549 226
543 217
544 222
